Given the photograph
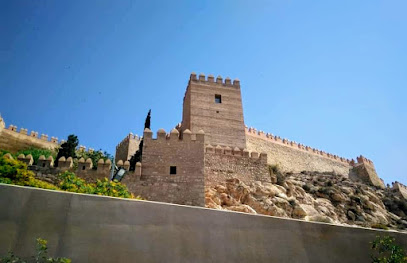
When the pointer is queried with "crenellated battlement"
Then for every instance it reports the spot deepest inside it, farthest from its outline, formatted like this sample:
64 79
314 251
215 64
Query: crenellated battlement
128 138
364 160
26 159
235 152
174 136
33 134
210 79
277 139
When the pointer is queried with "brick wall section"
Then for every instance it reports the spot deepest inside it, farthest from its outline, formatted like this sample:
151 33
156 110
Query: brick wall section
221 165
222 122
184 187
290 159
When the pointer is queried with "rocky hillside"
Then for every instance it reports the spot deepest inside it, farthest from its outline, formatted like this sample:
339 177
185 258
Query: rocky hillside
313 197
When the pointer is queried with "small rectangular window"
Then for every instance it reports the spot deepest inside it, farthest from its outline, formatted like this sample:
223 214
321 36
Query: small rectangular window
173 169
218 98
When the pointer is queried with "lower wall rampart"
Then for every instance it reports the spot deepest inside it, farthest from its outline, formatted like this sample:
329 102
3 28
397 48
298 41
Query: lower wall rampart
178 189
290 159
89 228
220 166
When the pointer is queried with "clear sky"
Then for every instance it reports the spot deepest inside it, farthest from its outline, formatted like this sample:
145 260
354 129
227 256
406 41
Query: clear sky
328 74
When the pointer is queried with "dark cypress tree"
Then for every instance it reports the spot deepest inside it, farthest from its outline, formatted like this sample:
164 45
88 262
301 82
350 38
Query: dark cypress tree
147 123
68 148
137 156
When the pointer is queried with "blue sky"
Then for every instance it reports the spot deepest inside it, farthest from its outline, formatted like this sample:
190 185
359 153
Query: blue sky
328 74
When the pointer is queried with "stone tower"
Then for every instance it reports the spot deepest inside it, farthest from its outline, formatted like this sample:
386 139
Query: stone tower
127 147
214 106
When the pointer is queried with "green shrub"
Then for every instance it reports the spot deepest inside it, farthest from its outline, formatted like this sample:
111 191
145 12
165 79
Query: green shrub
275 171
3 152
112 188
356 199
15 172
379 226
325 190
292 202
95 156
40 257
385 250
36 153
70 182
306 187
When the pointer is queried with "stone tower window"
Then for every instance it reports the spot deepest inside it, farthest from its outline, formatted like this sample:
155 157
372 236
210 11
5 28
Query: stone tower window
218 98
173 169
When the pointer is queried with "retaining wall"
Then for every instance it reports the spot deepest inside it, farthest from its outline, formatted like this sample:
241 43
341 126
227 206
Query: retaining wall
101 229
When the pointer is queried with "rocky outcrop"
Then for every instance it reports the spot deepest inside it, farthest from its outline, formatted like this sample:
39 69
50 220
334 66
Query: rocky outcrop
317 197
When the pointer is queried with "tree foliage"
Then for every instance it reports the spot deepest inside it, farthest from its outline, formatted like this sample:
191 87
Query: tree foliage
15 172
40 257
95 156
387 251
137 156
36 153
68 148
70 182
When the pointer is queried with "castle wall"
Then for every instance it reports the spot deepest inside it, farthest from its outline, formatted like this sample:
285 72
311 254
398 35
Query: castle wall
223 163
127 147
13 141
186 154
293 159
367 173
222 122
402 189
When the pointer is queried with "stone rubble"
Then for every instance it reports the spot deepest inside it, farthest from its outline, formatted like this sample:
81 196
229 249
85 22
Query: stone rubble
319 197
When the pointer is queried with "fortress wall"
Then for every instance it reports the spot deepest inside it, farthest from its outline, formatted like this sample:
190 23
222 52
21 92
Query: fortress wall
367 173
186 154
186 187
222 163
13 141
401 188
292 159
127 147
88 228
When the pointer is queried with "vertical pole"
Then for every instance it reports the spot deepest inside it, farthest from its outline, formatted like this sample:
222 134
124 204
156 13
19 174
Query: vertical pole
112 171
